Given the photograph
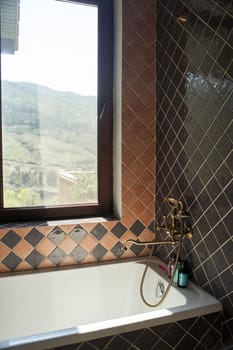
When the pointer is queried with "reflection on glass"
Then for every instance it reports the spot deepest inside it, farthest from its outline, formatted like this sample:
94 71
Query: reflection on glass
49 102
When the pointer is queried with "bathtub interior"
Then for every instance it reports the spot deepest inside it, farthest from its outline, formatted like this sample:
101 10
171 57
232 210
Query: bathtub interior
88 299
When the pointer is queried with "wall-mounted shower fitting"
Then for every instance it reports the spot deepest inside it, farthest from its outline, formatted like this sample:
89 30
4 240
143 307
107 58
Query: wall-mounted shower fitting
182 19
176 223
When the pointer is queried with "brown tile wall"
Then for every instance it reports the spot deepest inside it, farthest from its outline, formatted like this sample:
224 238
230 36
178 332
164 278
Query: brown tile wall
27 248
195 137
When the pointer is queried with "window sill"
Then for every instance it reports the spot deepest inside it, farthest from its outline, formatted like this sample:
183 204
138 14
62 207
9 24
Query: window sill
52 223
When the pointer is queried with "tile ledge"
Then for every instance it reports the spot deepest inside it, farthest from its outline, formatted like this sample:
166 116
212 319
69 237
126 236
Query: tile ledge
51 223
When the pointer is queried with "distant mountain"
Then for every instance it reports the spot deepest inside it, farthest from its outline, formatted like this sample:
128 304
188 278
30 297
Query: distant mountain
46 127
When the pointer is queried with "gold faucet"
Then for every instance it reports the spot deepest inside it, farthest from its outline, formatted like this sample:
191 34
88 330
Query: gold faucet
146 243
177 222
176 225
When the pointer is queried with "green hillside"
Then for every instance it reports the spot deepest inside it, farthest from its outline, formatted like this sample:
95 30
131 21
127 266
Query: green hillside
45 130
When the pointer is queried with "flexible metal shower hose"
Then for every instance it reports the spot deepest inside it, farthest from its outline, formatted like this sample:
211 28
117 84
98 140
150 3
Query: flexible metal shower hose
170 282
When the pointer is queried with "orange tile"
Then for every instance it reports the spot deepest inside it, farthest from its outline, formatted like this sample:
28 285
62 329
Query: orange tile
151 166
137 168
108 225
23 266
67 228
148 55
129 76
147 177
46 263
45 230
148 139
128 178
88 226
23 249
137 148
129 199
145 252
137 127
89 259
68 261
3 232
4 251
109 256
128 139
127 217
127 235
127 254
146 235
148 157
128 117
128 157
151 187
67 245
138 85
147 198
138 23
149 115
148 15
123 188
132 100
89 243
149 38
129 53
22 231
151 208
146 217
138 66
137 208
124 169
148 77
109 240
46 247
3 268
138 188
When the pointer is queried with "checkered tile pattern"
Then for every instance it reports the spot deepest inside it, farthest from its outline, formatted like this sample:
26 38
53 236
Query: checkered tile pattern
22 250
194 136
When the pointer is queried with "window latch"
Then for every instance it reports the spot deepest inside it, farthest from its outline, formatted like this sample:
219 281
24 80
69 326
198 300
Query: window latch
102 112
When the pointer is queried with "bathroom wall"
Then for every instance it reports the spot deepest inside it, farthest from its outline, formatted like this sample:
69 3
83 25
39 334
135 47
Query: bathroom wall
194 136
39 246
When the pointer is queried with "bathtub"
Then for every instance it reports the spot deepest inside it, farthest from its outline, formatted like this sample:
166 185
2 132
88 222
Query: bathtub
41 310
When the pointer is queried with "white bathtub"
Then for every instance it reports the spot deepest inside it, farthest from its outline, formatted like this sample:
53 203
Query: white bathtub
46 309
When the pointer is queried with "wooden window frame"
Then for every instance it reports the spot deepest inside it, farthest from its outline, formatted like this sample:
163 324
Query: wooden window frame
104 207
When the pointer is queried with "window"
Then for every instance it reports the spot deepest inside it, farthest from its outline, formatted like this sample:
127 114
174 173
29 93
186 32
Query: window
56 109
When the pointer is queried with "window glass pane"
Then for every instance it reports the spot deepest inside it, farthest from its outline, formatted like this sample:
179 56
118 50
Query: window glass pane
49 102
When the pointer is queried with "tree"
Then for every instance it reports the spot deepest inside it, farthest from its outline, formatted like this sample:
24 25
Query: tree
28 196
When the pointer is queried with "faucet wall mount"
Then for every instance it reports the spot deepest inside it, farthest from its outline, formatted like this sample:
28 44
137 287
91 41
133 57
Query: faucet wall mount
176 224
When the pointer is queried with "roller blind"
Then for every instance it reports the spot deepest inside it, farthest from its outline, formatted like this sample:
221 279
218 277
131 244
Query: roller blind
9 25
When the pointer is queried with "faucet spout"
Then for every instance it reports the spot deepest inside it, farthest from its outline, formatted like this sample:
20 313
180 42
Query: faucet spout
146 243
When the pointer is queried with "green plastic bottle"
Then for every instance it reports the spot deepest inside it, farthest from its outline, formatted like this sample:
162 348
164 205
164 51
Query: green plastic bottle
182 275
176 275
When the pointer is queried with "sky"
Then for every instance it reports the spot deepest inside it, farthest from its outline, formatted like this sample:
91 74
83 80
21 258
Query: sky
57 46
